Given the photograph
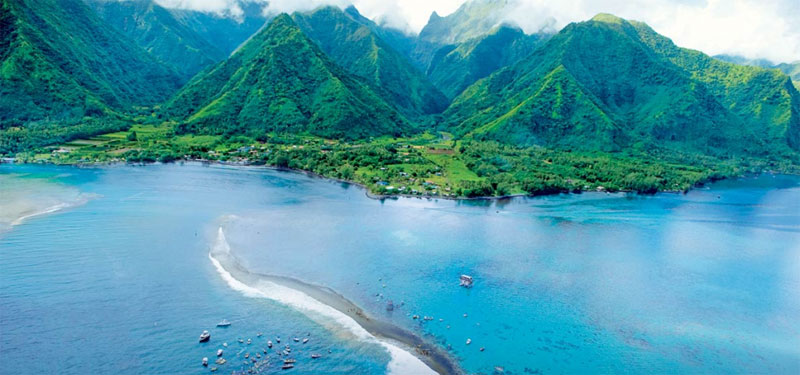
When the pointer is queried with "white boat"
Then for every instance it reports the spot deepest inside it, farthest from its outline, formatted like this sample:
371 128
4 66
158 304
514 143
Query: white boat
219 352
269 344
305 341
205 336
224 323
469 341
205 361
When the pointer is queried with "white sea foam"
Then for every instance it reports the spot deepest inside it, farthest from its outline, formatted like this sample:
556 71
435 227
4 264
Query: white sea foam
44 211
402 362
25 198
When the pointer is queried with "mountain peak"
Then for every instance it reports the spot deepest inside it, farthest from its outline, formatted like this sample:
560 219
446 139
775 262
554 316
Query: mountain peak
608 18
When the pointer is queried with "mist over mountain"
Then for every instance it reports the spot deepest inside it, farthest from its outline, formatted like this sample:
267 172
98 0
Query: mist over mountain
611 84
607 84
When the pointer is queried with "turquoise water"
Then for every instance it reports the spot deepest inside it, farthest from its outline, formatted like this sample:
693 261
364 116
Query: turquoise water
119 280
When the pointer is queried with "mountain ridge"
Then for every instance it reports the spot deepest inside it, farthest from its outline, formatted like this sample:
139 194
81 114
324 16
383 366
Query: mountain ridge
281 81
637 86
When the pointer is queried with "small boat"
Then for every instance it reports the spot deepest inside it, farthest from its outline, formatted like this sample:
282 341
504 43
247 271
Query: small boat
205 361
305 341
214 369
390 306
221 361
241 341
205 336
296 339
278 340
315 356
499 369
224 323
249 341
269 344
469 341
466 281
258 334
247 355
290 360
225 344
287 366
219 352
482 348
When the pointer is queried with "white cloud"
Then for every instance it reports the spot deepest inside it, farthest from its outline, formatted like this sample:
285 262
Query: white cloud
752 28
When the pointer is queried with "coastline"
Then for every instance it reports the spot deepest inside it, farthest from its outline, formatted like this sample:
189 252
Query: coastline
366 189
431 355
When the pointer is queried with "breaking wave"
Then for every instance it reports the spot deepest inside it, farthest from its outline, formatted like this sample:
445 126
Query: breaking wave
330 310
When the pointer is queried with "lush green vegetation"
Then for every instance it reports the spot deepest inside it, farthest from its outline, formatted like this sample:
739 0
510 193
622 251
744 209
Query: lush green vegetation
471 20
158 31
60 62
280 81
457 66
609 84
354 46
186 40
423 165
604 105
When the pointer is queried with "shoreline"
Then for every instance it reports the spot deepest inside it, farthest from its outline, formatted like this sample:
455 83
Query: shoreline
437 359
366 189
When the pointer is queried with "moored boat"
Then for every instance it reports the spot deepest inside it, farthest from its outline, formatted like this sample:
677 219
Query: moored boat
205 336
224 323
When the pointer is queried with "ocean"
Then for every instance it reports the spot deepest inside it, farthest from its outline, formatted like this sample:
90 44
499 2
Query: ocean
118 269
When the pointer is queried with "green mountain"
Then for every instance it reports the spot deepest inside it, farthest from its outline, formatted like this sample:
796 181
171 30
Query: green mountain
280 81
741 60
455 67
353 45
60 62
158 31
471 20
765 100
399 40
790 69
225 32
610 84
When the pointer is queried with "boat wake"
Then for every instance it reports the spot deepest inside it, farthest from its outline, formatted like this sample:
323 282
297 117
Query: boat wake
332 311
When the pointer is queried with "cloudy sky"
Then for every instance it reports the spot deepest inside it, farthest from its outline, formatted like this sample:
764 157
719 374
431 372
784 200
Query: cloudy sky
753 28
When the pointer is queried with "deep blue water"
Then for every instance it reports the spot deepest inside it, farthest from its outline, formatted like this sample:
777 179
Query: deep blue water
121 282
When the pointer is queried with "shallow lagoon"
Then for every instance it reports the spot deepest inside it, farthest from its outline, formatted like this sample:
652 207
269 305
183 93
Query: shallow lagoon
707 282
